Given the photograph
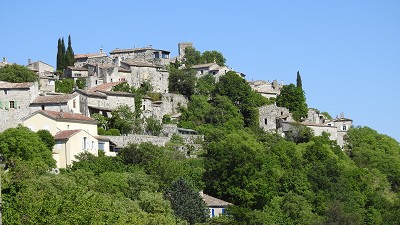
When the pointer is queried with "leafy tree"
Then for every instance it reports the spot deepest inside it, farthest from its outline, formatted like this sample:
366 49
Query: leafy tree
81 83
205 85
187 202
153 126
17 74
213 56
47 138
299 134
23 144
192 57
65 85
182 81
102 121
293 98
123 119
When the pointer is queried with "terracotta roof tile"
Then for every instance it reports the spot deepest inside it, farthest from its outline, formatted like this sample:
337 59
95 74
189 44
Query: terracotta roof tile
104 87
65 134
54 98
8 85
66 116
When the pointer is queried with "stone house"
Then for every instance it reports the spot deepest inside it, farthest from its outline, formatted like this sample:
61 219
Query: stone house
47 76
3 62
15 99
210 68
271 117
76 72
106 73
266 88
146 54
91 58
216 206
57 102
74 134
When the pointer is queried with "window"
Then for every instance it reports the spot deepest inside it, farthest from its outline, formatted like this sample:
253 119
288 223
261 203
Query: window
74 103
5 92
12 105
144 107
93 147
344 127
265 121
84 142
58 144
42 107
101 146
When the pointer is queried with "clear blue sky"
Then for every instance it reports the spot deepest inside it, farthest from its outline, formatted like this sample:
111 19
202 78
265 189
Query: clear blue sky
348 52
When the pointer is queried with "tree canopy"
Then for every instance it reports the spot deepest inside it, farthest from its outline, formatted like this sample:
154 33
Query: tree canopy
17 74
293 98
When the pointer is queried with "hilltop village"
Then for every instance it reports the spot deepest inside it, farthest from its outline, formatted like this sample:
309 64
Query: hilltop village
69 117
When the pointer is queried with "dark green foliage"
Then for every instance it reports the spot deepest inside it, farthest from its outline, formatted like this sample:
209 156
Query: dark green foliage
194 57
299 134
299 83
328 116
293 98
65 56
213 56
205 85
65 85
187 202
69 54
123 119
113 132
182 81
47 138
17 74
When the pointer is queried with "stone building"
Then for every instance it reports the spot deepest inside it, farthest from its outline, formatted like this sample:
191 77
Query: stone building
3 62
146 54
210 68
47 76
181 49
57 102
15 99
91 58
266 88
271 117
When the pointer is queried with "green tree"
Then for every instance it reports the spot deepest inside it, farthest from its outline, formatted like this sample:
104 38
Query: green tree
69 54
63 61
213 56
23 144
59 56
47 138
192 57
205 85
123 119
187 202
17 74
153 126
182 81
293 98
65 85
81 83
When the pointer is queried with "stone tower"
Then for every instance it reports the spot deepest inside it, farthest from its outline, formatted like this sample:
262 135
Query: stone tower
181 48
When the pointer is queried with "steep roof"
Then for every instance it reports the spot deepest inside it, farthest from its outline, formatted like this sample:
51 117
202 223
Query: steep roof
8 85
65 134
105 86
54 98
211 201
62 116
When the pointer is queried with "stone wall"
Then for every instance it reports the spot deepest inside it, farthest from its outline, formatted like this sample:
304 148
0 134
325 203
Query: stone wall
270 115
11 117
157 77
266 88
181 48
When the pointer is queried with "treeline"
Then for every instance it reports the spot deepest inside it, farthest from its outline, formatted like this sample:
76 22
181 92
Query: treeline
65 56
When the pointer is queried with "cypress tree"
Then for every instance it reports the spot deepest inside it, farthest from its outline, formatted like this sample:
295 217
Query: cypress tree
59 55
63 58
298 81
69 54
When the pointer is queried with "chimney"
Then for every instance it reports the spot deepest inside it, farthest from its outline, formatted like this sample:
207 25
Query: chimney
101 50
4 60
29 61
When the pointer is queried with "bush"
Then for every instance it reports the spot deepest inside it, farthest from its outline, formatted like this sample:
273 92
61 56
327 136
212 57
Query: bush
113 132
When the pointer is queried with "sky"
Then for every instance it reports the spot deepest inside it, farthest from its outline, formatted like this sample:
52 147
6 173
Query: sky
347 52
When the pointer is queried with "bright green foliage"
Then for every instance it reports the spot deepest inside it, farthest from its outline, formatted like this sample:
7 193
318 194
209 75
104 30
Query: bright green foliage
47 138
187 202
293 98
23 144
153 126
213 56
17 74
371 150
182 81
102 121
81 83
205 85
65 85
192 57
328 116
240 93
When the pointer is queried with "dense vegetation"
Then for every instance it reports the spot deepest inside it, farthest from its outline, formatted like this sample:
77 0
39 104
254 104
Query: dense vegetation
65 56
17 74
270 180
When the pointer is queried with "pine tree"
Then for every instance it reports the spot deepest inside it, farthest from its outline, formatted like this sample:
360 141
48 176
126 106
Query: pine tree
298 80
69 54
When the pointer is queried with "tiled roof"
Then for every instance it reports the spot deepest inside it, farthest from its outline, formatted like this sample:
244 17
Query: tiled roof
66 116
65 134
77 68
54 98
211 201
118 93
127 50
89 55
104 86
203 65
8 85
120 69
